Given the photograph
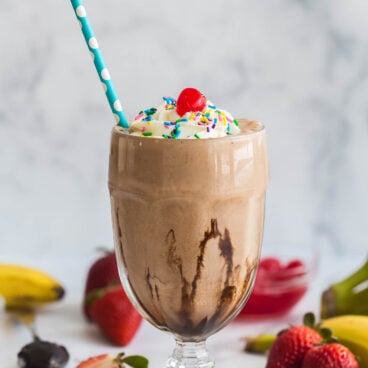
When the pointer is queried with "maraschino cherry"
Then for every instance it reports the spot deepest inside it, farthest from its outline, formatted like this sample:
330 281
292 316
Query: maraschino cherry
190 100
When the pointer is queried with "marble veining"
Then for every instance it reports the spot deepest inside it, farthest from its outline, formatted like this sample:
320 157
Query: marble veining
299 66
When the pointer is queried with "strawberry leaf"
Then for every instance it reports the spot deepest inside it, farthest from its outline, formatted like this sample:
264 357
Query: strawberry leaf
103 249
136 361
309 320
327 335
100 292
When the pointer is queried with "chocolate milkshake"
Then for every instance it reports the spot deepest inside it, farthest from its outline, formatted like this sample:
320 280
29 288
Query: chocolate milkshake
188 220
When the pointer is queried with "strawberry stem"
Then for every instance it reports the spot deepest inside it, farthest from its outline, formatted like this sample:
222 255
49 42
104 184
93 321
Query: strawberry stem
347 296
309 320
104 249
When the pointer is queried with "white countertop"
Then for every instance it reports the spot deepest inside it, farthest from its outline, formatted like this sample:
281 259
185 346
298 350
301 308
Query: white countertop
63 322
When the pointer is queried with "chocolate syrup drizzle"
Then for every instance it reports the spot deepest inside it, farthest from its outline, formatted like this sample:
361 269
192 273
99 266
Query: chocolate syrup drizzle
184 325
120 234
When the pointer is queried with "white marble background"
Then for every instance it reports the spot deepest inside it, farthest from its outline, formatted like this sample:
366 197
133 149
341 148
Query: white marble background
300 66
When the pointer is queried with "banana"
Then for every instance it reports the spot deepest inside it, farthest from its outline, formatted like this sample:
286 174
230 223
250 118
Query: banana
348 296
26 287
351 331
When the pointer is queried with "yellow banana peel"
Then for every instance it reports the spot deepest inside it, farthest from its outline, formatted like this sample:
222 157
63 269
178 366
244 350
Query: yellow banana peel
27 287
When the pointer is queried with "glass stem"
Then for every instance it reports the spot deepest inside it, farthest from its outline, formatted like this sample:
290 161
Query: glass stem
190 355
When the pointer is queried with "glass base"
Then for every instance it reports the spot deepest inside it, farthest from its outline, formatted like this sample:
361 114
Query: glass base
190 355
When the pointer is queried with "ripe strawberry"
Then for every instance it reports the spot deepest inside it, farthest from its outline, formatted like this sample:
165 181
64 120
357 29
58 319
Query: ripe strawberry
103 272
99 361
331 355
114 314
190 99
290 347
109 361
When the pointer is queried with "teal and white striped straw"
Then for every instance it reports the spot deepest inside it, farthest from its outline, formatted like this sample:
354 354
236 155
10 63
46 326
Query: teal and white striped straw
103 72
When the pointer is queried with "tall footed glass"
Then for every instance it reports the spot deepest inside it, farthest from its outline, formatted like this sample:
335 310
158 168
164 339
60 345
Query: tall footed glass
188 222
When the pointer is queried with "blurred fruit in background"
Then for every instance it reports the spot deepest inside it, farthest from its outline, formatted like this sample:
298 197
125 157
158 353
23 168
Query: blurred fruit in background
103 272
106 304
111 361
279 286
350 331
27 287
348 296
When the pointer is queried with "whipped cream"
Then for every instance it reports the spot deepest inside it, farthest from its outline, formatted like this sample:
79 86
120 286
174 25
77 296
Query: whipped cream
164 122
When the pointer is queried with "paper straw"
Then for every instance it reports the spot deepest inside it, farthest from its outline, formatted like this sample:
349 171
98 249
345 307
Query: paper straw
103 72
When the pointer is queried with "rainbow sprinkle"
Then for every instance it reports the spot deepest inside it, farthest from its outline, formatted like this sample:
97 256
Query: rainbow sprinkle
210 119
170 103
